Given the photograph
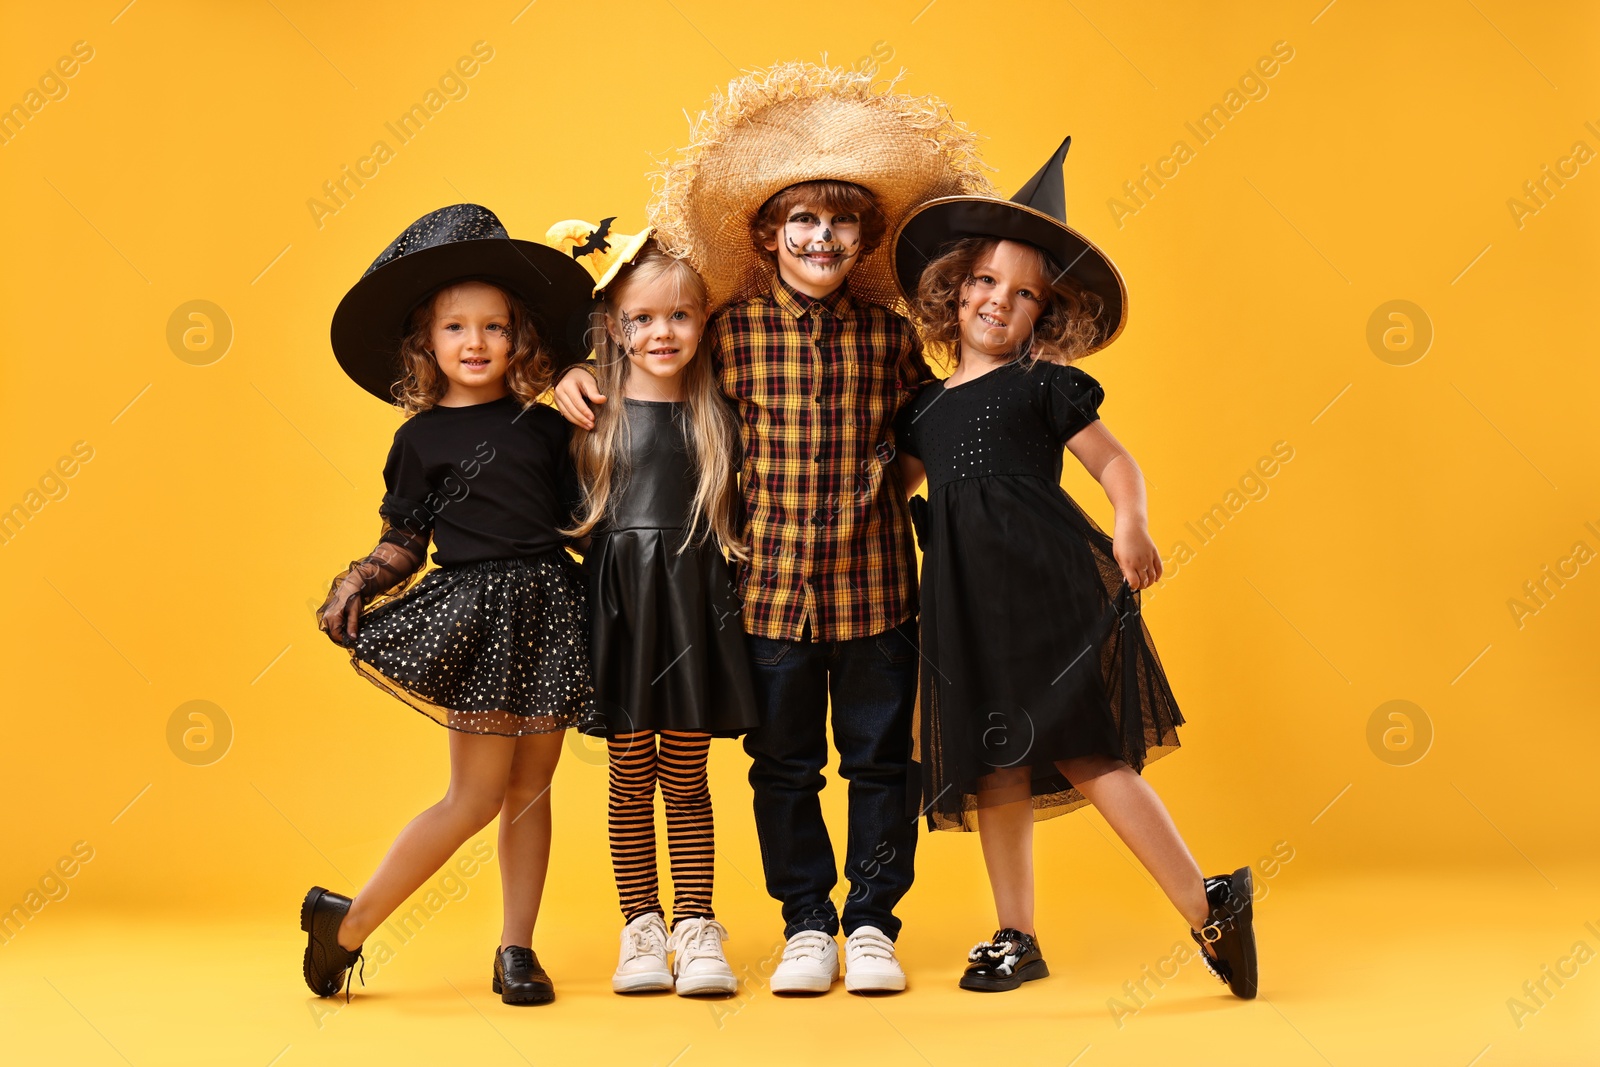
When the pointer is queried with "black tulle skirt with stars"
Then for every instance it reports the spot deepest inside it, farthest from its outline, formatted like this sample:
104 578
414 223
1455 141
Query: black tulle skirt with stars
498 647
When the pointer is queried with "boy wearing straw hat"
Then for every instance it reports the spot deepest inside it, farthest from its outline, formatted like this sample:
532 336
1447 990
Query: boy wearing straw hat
791 180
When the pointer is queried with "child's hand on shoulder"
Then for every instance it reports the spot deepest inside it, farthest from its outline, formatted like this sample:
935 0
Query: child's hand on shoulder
1136 553
576 394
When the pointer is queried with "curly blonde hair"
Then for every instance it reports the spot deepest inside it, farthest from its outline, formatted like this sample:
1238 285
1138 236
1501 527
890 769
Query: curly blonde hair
423 384
1068 328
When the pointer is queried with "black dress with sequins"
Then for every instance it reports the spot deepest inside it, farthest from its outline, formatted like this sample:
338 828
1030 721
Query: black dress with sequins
494 640
667 639
1033 647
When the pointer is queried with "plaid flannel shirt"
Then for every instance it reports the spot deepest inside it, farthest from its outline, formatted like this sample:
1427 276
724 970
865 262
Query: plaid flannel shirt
816 385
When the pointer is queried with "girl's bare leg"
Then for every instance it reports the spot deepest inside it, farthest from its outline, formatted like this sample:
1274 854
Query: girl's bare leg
479 766
1136 813
525 834
1005 829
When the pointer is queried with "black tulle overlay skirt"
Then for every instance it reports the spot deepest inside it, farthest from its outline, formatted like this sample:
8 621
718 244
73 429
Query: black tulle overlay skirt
1034 652
498 647
667 639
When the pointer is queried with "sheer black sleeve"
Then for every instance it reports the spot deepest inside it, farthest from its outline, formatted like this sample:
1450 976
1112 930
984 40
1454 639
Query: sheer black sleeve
382 574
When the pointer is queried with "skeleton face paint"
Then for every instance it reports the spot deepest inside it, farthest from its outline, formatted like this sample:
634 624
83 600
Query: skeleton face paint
817 248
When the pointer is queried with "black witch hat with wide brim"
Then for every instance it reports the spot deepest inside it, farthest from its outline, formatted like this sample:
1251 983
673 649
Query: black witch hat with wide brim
463 242
1036 215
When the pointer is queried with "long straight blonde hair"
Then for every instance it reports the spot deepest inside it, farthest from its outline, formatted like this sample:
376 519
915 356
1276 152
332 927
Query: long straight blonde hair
602 455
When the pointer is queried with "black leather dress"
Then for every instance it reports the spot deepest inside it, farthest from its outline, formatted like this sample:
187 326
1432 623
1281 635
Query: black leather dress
667 634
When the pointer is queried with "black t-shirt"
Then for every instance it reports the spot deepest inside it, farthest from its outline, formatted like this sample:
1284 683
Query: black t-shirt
488 481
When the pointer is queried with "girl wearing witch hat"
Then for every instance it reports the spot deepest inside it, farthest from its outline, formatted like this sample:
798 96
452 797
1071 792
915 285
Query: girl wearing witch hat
1041 689
462 327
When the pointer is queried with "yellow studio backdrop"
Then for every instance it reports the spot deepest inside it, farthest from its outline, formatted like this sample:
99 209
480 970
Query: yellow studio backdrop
1359 373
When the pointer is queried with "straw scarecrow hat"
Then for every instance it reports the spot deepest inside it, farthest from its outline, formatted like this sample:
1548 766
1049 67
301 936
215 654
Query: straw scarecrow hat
799 122
1037 214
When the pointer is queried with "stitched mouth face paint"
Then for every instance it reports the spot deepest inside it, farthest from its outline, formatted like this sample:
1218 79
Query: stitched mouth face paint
822 241
828 255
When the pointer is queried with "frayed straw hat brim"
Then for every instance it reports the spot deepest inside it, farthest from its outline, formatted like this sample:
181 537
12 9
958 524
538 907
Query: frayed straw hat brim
800 122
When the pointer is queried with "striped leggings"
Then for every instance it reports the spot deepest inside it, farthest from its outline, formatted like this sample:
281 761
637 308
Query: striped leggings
680 766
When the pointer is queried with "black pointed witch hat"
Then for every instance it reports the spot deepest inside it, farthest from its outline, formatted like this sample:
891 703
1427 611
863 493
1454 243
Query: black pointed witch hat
452 244
1037 214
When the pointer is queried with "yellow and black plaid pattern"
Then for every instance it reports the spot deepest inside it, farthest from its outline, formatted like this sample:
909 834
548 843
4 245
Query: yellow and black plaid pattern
816 383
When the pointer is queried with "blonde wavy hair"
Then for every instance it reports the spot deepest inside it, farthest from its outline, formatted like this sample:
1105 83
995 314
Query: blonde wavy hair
423 384
602 454
1069 326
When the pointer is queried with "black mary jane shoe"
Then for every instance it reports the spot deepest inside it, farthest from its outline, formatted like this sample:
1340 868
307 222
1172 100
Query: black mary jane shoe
1230 933
519 979
1004 962
327 963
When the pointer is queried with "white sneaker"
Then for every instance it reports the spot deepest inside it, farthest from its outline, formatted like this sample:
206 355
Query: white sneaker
642 966
810 964
870 966
698 963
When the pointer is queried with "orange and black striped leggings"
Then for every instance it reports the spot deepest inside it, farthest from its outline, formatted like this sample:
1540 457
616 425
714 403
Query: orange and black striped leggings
680 766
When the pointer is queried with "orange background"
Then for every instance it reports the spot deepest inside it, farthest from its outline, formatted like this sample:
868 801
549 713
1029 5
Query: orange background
215 492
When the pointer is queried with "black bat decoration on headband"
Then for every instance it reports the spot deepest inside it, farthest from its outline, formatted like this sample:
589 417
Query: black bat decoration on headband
596 241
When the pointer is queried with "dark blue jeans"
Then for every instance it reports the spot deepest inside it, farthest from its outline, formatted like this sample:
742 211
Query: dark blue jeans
873 683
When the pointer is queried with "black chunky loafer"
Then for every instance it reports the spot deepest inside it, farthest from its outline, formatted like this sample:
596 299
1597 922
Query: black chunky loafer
1230 933
1004 962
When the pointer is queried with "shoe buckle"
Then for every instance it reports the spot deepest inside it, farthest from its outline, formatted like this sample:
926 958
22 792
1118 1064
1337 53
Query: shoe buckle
1211 932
